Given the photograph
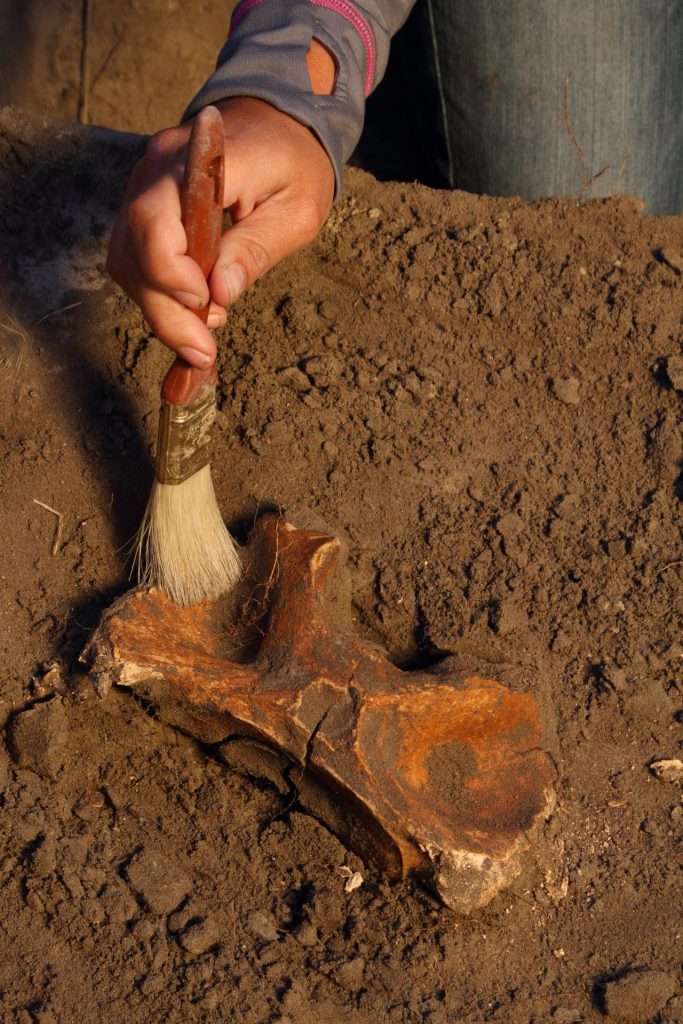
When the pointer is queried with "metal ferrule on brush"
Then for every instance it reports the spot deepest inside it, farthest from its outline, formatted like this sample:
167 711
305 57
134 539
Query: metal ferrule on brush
184 437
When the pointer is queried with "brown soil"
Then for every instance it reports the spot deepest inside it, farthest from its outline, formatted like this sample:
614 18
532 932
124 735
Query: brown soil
479 396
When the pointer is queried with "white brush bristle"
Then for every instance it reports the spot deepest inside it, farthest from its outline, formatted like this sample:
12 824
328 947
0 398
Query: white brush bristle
183 546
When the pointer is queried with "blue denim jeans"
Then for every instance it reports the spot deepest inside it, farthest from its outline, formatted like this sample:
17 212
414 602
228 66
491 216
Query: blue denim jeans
548 97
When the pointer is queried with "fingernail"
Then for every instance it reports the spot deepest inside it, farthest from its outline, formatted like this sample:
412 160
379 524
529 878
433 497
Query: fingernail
214 320
194 357
235 280
189 300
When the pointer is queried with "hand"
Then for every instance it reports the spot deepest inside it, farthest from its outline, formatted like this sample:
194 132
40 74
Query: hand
279 185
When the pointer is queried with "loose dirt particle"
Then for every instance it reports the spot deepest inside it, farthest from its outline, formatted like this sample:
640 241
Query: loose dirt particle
668 769
263 926
638 995
38 737
566 389
200 936
351 973
674 371
158 881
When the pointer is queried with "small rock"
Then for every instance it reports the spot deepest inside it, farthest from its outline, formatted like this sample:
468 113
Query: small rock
37 737
44 857
157 881
307 934
374 213
327 310
566 389
211 1001
191 912
674 371
354 879
509 526
668 769
34 901
311 399
200 936
567 505
323 371
177 921
350 974
72 883
269 954
251 438
616 548
50 681
614 678
144 929
263 926
118 903
152 984
90 805
413 385
638 995
294 378
353 882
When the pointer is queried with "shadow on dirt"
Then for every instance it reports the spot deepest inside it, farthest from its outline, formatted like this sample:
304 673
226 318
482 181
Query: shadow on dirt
55 287
60 190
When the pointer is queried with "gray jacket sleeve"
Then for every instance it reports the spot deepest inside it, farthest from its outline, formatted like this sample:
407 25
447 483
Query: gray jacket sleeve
265 57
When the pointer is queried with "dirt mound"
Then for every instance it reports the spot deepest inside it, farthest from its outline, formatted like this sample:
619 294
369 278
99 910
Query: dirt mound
480 397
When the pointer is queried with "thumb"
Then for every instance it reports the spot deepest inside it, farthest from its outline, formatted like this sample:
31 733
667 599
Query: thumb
276 228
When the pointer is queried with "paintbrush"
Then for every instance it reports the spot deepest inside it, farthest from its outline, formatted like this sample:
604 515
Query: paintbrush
183 546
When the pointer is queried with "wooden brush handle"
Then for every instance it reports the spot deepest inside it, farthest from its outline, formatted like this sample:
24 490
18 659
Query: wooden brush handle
201 199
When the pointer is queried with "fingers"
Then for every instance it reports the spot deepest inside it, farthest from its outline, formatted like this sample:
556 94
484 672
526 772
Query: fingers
172 322
160 244
279 185
177 326
218 317
150 219
274 229
147 254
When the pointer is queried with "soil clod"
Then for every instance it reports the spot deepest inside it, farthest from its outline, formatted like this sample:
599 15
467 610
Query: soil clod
38 737
637 995
158 881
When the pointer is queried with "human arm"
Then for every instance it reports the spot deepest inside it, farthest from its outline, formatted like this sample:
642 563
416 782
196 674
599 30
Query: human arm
286 140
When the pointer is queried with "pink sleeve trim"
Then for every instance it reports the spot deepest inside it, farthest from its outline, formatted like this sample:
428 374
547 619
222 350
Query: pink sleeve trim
347 11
